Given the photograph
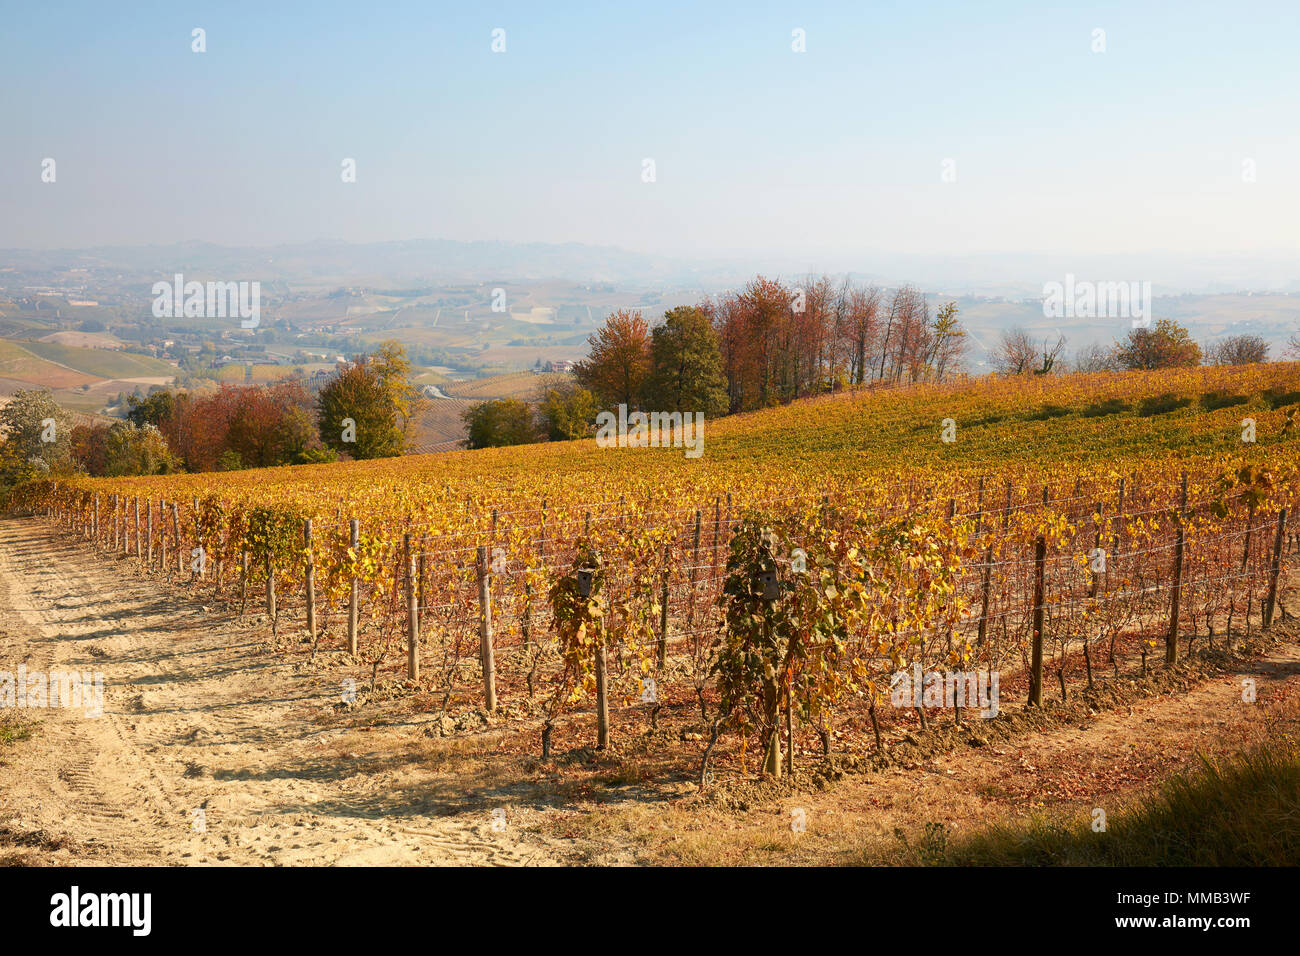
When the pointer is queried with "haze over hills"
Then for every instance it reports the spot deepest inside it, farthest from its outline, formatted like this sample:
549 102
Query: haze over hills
1011 275
439 293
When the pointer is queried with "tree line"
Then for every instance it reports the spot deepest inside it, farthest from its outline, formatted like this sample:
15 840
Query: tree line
766 344
364 410
1166 344
770 343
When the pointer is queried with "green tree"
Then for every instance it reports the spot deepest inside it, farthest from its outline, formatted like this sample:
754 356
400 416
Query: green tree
1168 345
506 421
366 409
686 365
37 430
157 409
566 412
947 341
131 449
230 461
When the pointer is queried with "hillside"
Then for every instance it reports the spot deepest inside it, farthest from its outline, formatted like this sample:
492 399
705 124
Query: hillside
1065 426
22 365
101 363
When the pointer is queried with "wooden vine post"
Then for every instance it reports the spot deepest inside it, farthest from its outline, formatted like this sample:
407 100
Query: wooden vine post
1093 587
138 552
176 538
412 613
602 692
354 530
1270 603
421 604
270 593
162 538
198 537
663 607
695 560
1171 639
1036 657
148 511
717 533
486 653
309 581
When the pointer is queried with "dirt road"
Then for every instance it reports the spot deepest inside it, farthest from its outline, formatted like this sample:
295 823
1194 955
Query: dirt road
207 751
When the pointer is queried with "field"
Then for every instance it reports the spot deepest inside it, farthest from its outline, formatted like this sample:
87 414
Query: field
21 364
1108 544
82 379
237 372
439 427
91 340
101 363
522 385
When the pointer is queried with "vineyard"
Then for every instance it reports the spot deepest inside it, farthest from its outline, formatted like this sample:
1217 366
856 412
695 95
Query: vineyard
1045 533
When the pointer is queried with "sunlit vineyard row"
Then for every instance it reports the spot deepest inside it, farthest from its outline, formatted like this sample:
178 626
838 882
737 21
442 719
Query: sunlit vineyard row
918 551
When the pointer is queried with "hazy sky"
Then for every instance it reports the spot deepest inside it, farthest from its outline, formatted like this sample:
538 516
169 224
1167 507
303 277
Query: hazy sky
758 149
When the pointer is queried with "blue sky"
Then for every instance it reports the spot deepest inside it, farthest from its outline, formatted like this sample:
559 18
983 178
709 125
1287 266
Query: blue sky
759 150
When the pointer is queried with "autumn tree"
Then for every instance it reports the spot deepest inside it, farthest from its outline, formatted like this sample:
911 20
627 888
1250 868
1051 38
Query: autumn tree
89 448
1167 345
904 342
754 335
859 326
272 425
1238 350
1017 353
618 365
196 430
366 409
686 365
1095 358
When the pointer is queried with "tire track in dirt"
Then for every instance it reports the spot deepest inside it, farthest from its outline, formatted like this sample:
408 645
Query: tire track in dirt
207 751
